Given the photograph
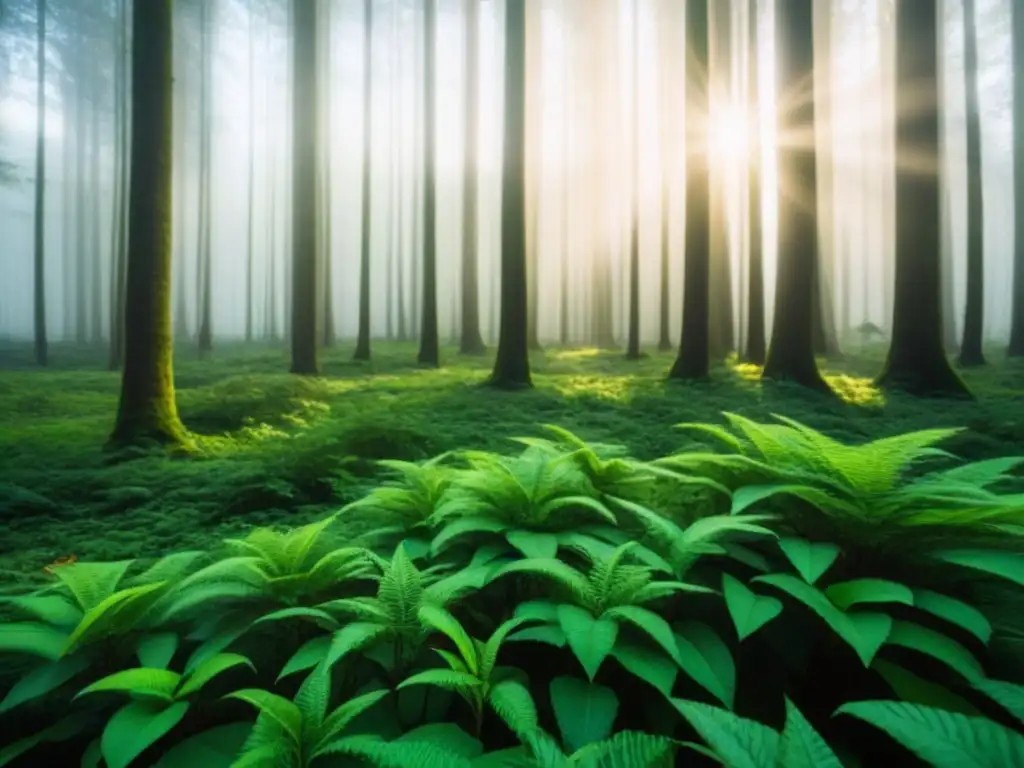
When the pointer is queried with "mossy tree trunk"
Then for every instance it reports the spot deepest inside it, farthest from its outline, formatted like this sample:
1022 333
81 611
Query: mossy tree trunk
917 362
791 351
147 408
692 362
363 338
512 364
305 146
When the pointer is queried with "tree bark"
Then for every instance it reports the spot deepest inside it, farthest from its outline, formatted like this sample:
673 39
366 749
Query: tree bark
633 345
39 229
471 342
363 338
754 351
430 351
1016 348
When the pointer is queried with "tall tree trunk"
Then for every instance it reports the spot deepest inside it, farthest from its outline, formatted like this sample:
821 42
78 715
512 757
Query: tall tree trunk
534 168
95 219
971 353
916 360
205 271
633 344
39 220
147 409
721 330
251 223
755 337
512 364
363 340
791 352
692 361
430 352
119 234
81 217
305 146
326 176
472 342
1016 348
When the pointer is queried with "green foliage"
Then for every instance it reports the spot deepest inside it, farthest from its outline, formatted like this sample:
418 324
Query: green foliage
548 609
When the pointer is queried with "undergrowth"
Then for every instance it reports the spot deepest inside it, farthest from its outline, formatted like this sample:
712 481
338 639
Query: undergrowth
765 597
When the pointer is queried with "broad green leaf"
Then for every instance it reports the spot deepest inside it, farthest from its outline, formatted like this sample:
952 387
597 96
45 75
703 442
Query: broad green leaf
800 746
549 634
462 526
41 680
737 741
55 610
317 615
446 734
91 583
859 591
209 669
938 646
749 611
215 748
353 637
864 632
957 612
511 699
137 726
811 559
532 544
157 650
942 739
344 714
590 639
376 751
106 616
749 495
442 621
143 682
450 679
916 690
32 639
277 708
541 610
1007 695
648 622
585 712
1006 565
649 664
311 653
706 658
628 748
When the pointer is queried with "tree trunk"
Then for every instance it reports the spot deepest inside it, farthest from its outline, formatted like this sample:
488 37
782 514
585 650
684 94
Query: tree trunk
692 362
471 342
204 298
81 219
39 221
971 353
119 233
95 219
305 146
249 249
147 409
791 352
721 329
916 361
1016 348
363 339
512 364
755 337
633 330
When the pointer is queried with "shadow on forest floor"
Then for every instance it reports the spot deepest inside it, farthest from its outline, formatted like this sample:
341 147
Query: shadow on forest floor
276 448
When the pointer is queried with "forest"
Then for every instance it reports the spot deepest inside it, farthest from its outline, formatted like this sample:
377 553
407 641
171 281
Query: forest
511 383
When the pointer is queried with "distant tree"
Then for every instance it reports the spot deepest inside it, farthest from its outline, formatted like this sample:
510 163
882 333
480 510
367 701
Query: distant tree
692 362
754 351
250 250
39 233
633 344
430 351
1016 348
363 338
305 146
147 409
791 351
512 364
916 361
471 342
204 272
119 228
721 330
668 21
971 352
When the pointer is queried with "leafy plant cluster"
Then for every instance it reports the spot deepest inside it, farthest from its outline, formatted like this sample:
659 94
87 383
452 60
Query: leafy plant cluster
831 605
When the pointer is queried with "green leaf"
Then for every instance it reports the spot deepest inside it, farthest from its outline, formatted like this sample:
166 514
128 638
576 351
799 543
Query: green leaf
585 712
209 669
749 611
909 687
445 734
590 639
956 612
749 495
549 634
649 664
449 679
462 526
938 646
859 591
353 637
531 544
104 617
510 698
215 748
942 739
628 748
648 622
41 680
707 660
158 684
811 559
737 741
55 610
32 639
800 746
277 708
440 620
308 656
157 650
1006 565
344 714
1007 695
137 726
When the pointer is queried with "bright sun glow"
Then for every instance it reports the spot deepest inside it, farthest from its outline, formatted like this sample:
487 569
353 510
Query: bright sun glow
729 134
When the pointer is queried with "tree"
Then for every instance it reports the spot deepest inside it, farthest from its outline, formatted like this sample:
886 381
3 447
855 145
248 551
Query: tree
363 339
971 353
916 361
251 224
1016 348
512 364
471 342
633 345
754 351
147 408
694 347
430 352
305 143
204 272
39 233
791 351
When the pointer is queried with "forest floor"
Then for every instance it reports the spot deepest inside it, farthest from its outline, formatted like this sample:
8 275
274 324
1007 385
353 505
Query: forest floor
275 448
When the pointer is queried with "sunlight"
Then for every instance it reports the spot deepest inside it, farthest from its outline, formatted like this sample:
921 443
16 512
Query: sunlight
729 134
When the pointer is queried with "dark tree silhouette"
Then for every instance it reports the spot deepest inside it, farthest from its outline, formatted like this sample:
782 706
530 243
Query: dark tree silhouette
39 230
917 362
147 410
430 346
512 364
754 351
363 339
